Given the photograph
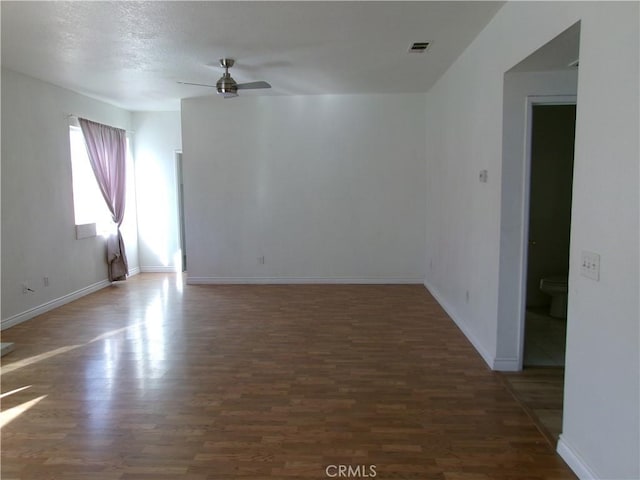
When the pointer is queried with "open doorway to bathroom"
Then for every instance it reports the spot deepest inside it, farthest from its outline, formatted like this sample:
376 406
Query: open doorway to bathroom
539 121
552 138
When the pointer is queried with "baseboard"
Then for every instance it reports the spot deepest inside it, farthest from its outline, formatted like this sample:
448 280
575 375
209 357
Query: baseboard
575 460
506 364
158 269
301 280
6 348
489 359
134 271
58 302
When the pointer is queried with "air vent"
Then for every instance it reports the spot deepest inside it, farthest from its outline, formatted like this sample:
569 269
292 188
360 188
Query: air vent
419 47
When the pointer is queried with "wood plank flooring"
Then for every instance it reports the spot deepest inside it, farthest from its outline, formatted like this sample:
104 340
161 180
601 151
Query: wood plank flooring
152 379
540 390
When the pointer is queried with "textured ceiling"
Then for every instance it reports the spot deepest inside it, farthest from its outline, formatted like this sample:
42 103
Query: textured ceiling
132 54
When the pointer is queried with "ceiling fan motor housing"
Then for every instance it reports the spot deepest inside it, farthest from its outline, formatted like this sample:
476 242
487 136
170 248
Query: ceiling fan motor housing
227 86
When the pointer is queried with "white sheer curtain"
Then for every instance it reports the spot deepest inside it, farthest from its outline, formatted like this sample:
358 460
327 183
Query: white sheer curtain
107 149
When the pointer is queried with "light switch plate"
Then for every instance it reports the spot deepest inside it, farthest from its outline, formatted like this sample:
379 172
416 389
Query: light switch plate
590 265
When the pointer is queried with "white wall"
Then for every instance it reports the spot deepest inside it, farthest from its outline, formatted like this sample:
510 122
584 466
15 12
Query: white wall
157 138
326 188
38 228
601 426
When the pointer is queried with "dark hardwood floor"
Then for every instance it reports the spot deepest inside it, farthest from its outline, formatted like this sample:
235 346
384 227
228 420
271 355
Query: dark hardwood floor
151 379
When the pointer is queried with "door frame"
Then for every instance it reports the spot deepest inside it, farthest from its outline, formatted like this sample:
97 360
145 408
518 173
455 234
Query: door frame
532 100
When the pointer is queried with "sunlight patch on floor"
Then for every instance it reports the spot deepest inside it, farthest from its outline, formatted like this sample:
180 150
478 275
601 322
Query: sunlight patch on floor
14 391
52 353
14 412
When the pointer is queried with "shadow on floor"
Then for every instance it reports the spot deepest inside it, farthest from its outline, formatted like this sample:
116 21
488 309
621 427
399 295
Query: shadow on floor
539 387
540 391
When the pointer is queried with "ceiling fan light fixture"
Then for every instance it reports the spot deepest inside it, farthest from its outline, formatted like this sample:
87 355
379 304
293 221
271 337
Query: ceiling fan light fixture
227 86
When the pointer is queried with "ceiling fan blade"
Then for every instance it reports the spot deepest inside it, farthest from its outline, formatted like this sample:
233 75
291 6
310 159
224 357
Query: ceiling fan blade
252 85
197 84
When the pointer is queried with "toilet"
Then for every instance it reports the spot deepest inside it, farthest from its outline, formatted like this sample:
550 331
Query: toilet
556 287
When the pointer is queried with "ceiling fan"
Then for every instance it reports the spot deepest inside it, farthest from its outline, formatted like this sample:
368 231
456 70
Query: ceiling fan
227 86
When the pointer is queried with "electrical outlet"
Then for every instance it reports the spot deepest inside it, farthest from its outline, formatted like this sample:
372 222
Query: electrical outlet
25 288
590 265
45 281
261 260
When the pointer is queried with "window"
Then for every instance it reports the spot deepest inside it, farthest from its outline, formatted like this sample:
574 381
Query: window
88 203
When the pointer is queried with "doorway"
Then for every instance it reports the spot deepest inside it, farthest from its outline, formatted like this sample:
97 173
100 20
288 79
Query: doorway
548 174
180 188
546 78
551 142
525 85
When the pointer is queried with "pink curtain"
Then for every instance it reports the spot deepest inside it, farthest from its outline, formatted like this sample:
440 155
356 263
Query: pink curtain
107 149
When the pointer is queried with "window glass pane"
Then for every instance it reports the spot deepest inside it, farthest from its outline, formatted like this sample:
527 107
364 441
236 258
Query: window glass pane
89 205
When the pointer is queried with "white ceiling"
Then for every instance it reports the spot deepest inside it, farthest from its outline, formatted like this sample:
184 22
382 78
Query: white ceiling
132 54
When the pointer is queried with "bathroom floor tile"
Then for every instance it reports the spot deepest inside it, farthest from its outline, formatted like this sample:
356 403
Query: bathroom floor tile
545 339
